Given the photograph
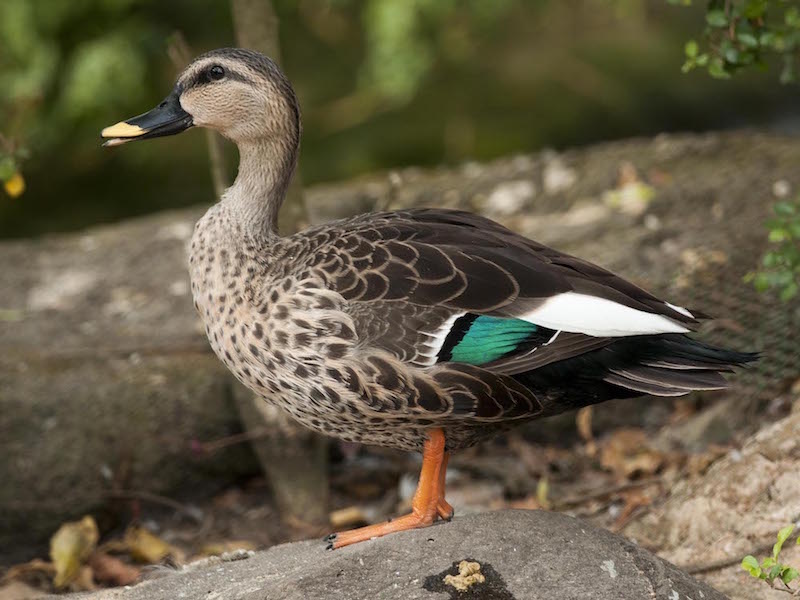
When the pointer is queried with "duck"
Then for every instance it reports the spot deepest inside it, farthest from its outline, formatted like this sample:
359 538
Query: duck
426 330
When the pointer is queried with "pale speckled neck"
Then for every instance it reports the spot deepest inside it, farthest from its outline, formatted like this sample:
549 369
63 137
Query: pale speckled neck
265 170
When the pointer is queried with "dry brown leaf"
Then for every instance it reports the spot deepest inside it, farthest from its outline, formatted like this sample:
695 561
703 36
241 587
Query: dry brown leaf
347 517
110 569
634 500
682 409
70 547
16 590
696 464
626 453
32 570
146 547
84 581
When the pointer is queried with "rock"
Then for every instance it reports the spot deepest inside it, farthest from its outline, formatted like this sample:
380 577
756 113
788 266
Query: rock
735 509
523 555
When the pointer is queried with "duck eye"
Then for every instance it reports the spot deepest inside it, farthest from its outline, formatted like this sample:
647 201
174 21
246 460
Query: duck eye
216 73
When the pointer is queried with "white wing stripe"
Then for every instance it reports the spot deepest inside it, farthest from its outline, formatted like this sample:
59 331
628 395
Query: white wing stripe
437 340
582 313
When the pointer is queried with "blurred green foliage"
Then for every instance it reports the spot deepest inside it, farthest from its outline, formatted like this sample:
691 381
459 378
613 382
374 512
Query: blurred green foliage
781 264
382 83
744 33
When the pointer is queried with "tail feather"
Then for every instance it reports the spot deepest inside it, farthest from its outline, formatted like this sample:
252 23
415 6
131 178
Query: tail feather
680 380
645 387
660 365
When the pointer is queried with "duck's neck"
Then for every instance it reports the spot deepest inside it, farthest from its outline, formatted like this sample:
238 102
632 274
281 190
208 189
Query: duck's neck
265 170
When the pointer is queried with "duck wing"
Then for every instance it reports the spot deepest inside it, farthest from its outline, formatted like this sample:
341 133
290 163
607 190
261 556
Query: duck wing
501 326
417 280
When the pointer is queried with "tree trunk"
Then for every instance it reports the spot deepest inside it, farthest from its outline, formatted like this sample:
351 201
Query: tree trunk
294 459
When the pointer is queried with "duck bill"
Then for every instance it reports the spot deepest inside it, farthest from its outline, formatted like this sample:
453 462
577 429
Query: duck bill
168 118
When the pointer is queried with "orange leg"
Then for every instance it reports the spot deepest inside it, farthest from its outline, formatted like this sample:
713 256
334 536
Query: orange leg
428 503
443 506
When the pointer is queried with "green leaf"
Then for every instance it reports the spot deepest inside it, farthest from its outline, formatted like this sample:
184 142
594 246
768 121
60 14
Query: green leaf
768 563
789 292
717 18
783 535
717 69
7 167
792 17
755 9
732 55
747 39
790 574
691 49
774 572
778 235
750 564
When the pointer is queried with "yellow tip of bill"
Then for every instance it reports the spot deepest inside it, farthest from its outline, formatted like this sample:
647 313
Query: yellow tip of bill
122 130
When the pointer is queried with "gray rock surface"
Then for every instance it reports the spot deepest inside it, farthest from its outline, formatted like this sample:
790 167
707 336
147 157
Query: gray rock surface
524 555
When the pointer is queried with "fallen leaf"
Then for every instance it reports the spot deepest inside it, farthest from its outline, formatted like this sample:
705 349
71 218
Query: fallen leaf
16 590
146 547
347 517
70 547
542 492
110 569
634 500
627 454
682 409
36 570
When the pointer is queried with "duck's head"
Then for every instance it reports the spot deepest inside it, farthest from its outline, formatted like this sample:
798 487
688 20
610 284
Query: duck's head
240 93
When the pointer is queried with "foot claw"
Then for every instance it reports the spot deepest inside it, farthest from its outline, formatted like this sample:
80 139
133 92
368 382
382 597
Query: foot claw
329 538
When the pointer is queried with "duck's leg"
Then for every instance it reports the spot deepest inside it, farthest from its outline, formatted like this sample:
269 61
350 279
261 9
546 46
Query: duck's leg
428 503
443 506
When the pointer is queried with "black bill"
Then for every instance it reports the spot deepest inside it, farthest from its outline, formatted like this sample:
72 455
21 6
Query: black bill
168 118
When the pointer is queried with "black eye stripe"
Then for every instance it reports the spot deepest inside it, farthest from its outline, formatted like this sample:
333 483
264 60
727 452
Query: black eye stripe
203 77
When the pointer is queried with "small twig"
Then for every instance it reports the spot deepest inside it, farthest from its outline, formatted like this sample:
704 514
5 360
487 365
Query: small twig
716 565
232 440
615 489
149 497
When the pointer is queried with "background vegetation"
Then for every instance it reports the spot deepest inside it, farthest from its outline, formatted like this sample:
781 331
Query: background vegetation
383 83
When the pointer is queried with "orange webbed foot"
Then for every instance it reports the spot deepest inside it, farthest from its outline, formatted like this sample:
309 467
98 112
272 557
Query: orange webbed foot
428 504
